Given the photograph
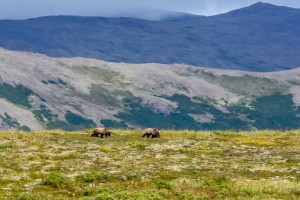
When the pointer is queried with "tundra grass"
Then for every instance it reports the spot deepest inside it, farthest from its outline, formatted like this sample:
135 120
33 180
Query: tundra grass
179 165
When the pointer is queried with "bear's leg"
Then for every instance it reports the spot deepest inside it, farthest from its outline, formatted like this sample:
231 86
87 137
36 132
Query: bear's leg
105 134
94 135
102 135
148 134
108 134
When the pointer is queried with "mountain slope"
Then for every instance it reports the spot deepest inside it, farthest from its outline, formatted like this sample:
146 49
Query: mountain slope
37 92
261 37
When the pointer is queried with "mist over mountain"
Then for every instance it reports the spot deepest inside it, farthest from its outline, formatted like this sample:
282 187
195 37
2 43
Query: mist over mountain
261 37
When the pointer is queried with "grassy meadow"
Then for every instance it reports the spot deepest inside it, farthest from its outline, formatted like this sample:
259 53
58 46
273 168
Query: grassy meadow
180 165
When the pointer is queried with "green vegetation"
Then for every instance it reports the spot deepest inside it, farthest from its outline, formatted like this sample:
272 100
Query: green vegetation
55 82
9 120
141 116
13 123
180 165
54 179
102 96
97 73
276 111
180 118
18 94
60 125
43 115
247 85
78 120
113 124
73 122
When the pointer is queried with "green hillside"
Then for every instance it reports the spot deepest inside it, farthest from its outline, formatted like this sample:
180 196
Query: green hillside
77 94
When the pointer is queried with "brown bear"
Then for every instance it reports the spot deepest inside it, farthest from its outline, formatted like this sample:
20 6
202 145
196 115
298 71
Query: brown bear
101 131
151 132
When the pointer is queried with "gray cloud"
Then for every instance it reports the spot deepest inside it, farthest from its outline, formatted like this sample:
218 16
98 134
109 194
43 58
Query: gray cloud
150 9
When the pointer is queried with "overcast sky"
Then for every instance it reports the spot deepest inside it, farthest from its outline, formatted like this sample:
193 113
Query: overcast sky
22 9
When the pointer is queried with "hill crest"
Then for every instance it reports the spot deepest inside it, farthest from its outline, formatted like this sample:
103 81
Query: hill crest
243 41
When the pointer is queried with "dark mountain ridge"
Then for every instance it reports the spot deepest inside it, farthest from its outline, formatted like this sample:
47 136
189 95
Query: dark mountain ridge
261 37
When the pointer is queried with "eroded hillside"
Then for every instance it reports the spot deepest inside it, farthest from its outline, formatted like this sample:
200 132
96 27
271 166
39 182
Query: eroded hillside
74 93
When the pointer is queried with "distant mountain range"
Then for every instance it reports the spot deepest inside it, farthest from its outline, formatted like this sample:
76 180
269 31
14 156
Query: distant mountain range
261 37
38 92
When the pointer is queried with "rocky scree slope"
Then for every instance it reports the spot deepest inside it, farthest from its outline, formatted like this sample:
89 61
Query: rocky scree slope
38 92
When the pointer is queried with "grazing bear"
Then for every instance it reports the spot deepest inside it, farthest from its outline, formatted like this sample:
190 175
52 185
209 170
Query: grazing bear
151 132
101 131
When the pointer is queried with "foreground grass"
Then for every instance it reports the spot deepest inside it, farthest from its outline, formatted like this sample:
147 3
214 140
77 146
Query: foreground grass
179 165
